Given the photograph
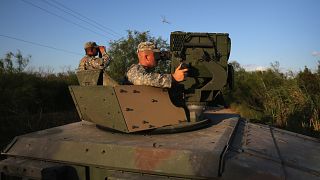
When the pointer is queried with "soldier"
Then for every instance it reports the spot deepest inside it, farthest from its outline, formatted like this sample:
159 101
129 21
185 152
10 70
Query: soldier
90 61
140 74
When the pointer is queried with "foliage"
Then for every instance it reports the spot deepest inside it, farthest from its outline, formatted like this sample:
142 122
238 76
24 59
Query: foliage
29 93
309 83
124 52
284 100
32 101
7 64
24 92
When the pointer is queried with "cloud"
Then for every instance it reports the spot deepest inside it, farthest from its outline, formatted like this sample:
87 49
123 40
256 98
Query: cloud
254 67
316 53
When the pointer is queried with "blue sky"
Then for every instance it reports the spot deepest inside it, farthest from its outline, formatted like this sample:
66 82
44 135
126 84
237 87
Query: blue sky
262 32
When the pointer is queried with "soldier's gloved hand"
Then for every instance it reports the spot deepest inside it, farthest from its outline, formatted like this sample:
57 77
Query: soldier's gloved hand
179 74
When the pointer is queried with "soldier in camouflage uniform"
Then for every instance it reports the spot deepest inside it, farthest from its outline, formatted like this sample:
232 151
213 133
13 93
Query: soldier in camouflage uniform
90 61
140 74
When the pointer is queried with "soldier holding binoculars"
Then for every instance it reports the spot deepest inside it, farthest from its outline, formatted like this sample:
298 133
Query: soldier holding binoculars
90 61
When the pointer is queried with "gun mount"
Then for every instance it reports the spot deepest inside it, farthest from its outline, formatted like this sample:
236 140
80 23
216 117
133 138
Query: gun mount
206 56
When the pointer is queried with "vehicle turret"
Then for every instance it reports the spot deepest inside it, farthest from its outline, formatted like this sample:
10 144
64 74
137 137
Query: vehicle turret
127 108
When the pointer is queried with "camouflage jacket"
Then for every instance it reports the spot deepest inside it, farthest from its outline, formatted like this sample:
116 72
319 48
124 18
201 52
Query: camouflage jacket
88 62
138 75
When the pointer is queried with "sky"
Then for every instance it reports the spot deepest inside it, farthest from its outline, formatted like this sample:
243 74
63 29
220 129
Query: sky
261 31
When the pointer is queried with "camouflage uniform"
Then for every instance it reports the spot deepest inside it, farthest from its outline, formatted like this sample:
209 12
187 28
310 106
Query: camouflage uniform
88 62
92 62
140 75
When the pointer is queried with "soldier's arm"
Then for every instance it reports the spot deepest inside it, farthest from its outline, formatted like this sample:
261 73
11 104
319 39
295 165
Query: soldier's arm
138 76
105 55
158 80
106 60
82 64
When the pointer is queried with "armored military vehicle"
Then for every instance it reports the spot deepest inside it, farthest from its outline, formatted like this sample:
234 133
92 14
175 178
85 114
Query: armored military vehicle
140 132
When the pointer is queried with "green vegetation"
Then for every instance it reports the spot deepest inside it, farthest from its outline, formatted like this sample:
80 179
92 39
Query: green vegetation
31 101
289 101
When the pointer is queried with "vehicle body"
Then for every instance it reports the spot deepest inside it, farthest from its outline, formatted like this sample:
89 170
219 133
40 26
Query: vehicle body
229 148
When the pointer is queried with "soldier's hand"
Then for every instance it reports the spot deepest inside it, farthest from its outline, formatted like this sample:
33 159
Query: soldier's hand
102 49
179 74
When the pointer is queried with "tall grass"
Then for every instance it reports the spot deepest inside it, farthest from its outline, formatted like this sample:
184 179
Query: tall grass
286 101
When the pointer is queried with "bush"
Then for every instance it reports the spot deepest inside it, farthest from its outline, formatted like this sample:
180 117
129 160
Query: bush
271 97
31 101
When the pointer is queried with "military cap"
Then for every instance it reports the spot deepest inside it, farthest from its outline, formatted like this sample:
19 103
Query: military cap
90 44
143 46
